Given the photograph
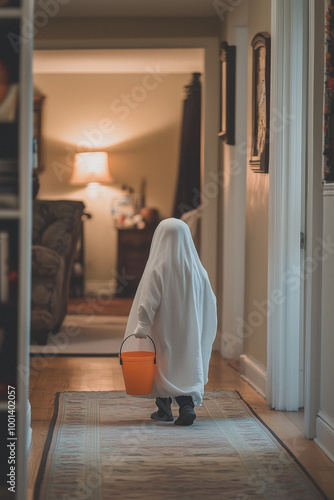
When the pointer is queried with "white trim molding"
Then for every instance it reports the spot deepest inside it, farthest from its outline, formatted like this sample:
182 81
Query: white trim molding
328 189
287 161
254 374
325 434
314 215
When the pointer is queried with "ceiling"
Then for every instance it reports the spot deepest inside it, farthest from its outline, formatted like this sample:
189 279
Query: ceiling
118 61
136 8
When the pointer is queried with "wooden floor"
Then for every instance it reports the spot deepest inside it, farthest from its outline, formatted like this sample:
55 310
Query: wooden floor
49 376
99 306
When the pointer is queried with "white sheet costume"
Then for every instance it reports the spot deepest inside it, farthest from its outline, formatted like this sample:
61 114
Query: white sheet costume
176 306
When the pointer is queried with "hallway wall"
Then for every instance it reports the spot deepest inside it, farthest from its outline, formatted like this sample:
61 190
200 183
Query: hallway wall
257 205
250 321
325 419
320 376
233 205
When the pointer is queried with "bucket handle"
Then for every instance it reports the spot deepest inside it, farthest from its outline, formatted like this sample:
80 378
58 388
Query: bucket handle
132 335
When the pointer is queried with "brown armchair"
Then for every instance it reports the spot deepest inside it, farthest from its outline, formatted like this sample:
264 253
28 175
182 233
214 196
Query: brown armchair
56 228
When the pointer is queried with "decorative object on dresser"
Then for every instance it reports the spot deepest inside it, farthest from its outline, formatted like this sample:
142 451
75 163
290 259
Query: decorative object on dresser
125 209
56 228
150 216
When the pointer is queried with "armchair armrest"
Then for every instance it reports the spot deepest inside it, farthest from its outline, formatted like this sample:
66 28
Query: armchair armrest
45 262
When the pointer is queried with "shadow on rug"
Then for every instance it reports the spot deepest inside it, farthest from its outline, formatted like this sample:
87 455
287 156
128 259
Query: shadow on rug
103 445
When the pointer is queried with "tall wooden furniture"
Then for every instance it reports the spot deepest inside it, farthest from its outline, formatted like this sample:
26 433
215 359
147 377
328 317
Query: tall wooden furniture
16 151
133 250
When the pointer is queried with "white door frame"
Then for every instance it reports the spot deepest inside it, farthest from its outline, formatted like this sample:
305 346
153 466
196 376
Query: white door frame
210 182
314 216
286 170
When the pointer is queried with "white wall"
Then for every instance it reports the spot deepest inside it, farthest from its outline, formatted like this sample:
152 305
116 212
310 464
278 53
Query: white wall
244 229
257 205
233 218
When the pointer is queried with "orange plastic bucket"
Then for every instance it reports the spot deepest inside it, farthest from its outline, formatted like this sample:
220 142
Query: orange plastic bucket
138 370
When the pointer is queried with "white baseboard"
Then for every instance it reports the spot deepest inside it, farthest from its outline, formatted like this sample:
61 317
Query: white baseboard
325 434
328 189
103 288
254 374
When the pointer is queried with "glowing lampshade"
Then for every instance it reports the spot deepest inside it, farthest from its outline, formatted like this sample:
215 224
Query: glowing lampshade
90 167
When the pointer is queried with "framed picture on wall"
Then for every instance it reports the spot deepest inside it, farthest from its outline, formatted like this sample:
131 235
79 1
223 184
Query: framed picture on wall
259 160
227 97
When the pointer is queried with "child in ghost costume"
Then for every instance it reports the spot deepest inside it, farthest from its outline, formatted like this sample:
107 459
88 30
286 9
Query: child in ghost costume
176 306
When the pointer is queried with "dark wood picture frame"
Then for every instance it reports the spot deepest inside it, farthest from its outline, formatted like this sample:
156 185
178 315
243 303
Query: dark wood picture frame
227 97
37 133
259 160
329 97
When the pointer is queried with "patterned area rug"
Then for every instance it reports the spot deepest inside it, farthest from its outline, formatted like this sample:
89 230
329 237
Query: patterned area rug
103 445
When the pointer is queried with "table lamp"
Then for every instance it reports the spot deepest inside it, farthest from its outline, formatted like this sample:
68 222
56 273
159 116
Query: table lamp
91 169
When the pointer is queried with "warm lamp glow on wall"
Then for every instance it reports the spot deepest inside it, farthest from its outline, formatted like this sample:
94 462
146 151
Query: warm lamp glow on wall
91 169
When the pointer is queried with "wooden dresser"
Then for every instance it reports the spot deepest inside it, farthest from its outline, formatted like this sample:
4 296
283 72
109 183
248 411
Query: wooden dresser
133 250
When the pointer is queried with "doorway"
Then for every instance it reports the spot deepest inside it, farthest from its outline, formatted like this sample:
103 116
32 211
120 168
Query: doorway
172 64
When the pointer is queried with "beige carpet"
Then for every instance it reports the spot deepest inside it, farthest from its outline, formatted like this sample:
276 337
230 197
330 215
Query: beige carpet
103 445
83 335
